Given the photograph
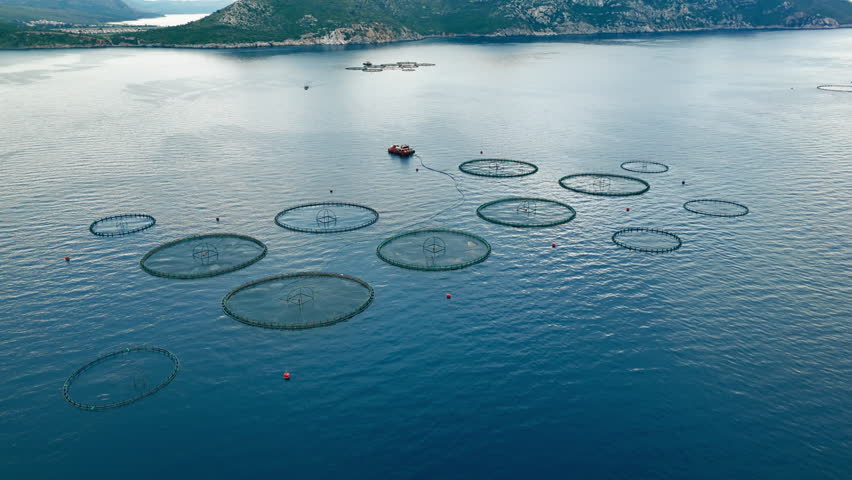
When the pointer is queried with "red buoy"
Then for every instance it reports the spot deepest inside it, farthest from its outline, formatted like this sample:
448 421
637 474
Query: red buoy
67 259
286 375
552 245
217 219
416 169
449 296
628 209
480 152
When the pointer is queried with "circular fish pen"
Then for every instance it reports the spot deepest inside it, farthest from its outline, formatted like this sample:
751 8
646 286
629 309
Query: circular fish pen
645 167
326 217
836 88
118 225
120 378
604 184
646 240
202 256
716 208
434 250
498 167
526 212
298 301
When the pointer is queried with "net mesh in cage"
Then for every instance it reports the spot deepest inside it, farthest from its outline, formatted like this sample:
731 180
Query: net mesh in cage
120 378
498 167
326 217
716 208
526 212
201 256
118 225
647 240
645 167
434 249
604 184
299 300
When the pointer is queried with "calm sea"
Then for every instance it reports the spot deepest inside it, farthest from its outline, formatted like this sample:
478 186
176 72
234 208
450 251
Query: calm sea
729 358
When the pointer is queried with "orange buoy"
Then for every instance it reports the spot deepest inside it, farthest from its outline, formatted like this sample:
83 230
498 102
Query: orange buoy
67 259
449 296
286 375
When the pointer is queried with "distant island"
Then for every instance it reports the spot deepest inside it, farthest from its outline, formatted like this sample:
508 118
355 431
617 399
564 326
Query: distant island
258 23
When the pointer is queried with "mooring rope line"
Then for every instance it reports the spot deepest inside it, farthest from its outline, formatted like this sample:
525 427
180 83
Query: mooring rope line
396 231
456 184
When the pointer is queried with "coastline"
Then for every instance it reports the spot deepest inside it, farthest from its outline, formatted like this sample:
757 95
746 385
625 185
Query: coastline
335 39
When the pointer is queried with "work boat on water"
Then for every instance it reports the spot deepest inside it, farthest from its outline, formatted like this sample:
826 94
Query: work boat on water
401 150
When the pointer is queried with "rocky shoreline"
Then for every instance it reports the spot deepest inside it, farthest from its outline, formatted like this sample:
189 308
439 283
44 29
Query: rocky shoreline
355 36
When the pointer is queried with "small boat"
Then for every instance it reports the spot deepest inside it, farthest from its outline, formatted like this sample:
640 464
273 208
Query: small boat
401 150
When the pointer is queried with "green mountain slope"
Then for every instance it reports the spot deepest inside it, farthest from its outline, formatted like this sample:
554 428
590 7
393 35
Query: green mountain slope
69 11
369 21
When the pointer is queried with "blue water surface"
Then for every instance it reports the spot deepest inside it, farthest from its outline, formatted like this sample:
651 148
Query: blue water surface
728 358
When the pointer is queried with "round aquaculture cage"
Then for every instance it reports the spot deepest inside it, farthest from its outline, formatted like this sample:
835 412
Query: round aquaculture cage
299 300
716 208
120 378
498 167
645 167
118 225
326 217
604 184
434 249
201 256
526 212
647 240
836 88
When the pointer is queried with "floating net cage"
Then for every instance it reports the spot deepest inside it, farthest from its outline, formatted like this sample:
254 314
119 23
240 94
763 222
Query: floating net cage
836 88
498 167
326 217
299 300
526 212
120 378
605 184
645 167
647 240
201 256
118 225
434 249
716 208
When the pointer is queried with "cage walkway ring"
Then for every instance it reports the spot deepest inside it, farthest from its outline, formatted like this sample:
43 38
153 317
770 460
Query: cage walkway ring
300 291
327 220
208 259
716 208
836 88
498 167
641 166
674 242
121 224
66 387
528 207
602 184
